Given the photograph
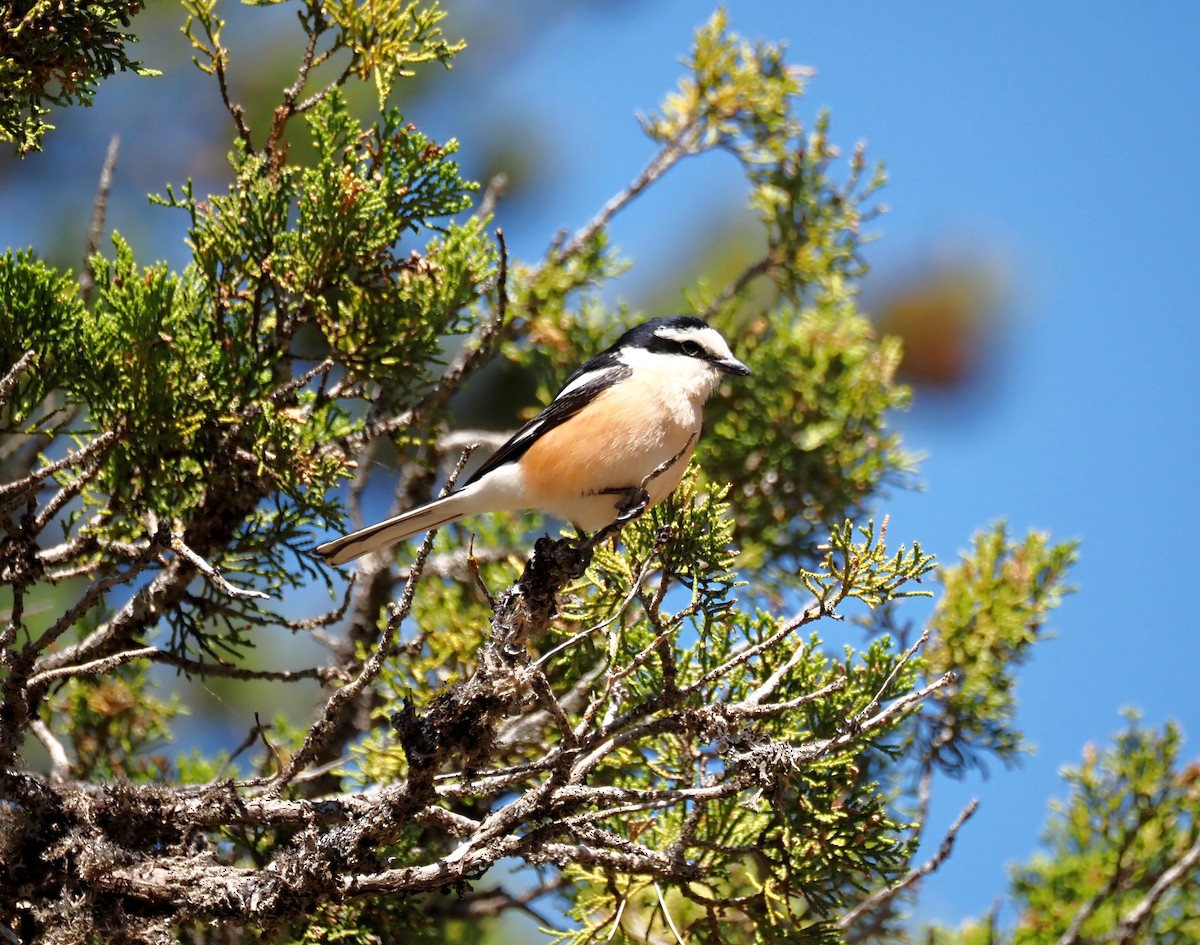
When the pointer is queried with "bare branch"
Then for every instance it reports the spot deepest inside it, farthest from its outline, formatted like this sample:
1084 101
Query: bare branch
813 611
668 156
287 108
87 279
107 664
772 682
788 756
212 573
136 612
762 267
95 458
59 761
99 445
12 376
491 195
96 591
319 732
220 57
757 709
97 667
887 683
1133 920
884 896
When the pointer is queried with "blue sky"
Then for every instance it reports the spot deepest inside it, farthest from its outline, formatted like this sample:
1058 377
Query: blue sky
1061 139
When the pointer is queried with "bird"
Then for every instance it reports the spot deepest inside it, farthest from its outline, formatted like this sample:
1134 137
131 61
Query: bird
614 441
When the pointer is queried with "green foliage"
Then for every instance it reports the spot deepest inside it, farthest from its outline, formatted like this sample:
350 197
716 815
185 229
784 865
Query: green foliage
737 95
864 571
149 365
56 54
823 382
1120 858
813 443
784 856
1131 815
387 38
341 267
117 728
660 614
40 311
990 613
195 371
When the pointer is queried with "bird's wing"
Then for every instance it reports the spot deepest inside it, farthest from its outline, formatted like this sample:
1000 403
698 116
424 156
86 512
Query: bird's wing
581 389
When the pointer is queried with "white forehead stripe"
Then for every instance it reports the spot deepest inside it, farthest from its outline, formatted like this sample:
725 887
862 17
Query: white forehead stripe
708 338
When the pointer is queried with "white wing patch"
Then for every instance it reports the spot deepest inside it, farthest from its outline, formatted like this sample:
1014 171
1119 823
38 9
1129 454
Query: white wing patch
591 377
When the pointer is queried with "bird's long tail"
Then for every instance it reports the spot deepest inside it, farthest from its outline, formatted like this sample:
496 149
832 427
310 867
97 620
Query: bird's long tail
438 512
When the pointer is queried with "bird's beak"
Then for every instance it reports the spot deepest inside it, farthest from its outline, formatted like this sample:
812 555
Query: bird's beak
732 366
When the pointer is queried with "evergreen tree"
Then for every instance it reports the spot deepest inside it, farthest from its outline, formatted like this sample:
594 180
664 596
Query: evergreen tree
650 724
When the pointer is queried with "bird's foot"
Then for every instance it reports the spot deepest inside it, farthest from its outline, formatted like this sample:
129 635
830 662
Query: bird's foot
636 499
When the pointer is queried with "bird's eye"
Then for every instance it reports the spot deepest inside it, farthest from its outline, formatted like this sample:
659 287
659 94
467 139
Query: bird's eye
691 349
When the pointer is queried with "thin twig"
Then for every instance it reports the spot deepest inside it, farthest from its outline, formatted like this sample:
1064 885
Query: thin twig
495 189
85 542
11 377
541 687
477 576
96 592
97 667
219 55
1133 919
795 756
294 384
106 664
212 573
662 902
887 683
751 710
813 611
734 288
60 763
772 682
95 453
87 278
246 744
320 730
287 108
667 156
886 895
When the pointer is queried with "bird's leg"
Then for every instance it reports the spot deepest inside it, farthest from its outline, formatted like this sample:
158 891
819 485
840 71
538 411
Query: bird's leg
637 498
664 466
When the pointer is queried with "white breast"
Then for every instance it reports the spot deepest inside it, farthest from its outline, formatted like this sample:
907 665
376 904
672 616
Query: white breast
617 441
